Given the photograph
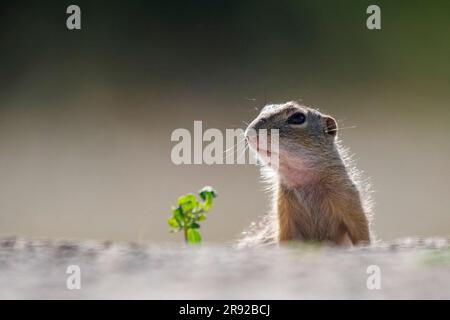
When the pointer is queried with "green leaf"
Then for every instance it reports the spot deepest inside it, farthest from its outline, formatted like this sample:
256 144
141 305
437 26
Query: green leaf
188 202
178 215
198 211
201 217
194 225
194 236
206 192
173 223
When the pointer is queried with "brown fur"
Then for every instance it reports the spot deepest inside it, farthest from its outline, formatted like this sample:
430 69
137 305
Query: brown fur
316 192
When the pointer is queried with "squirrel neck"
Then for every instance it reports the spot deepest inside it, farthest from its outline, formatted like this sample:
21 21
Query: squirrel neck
303 172
310 197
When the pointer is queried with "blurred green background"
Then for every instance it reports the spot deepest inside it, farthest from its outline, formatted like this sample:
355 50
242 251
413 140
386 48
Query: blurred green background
86 116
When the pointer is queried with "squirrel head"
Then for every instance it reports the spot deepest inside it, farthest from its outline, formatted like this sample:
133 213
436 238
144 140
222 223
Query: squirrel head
306 136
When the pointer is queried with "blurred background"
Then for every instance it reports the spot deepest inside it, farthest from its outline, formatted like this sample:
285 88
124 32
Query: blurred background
86 116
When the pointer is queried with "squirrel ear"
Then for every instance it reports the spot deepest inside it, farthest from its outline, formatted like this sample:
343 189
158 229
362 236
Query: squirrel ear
331 126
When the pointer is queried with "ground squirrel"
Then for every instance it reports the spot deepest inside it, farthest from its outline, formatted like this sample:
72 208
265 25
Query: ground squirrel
317 193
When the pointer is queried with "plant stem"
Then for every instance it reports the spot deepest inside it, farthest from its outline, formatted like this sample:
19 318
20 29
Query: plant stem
185 230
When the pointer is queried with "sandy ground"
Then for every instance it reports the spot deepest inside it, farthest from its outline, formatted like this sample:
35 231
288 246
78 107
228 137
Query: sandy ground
409 269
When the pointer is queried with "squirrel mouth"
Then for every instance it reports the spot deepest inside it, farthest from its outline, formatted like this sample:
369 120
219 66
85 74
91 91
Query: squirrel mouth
255 143
264 151
266 148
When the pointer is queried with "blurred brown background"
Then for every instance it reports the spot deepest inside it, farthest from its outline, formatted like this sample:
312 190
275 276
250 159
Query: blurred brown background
86 116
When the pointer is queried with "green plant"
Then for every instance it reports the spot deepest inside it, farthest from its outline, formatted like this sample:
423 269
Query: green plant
190 212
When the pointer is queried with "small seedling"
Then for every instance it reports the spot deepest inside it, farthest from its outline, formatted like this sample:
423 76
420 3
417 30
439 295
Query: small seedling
190 212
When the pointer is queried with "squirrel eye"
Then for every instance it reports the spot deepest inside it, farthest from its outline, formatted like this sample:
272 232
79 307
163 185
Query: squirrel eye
297 118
